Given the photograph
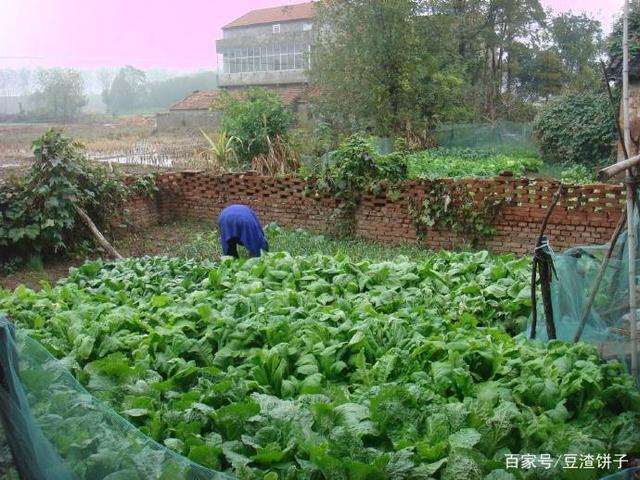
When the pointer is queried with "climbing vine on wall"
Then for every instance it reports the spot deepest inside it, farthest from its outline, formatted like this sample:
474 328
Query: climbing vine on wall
355 168
452 207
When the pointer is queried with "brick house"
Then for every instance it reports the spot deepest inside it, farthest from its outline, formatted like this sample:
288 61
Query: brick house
193 111
190 112
267 48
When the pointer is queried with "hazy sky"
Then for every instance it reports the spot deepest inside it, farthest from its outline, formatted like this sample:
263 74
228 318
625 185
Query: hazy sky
172 34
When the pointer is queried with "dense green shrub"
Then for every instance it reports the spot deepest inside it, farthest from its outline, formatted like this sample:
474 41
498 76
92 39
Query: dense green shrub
576 129
355 166
257 117
37 213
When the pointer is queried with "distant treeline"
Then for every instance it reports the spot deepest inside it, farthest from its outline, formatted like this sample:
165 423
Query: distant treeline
65 94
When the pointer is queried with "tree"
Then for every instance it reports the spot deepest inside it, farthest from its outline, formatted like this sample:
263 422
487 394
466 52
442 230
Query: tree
128 90
541 75
614 42
105 79
377 69
59 94
578 42
495 39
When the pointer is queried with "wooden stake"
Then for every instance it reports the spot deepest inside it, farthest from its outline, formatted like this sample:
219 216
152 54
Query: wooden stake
546 275
546 271
534 307
96 234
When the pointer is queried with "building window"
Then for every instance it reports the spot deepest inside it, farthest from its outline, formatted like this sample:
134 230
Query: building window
307 26
276 28
267 59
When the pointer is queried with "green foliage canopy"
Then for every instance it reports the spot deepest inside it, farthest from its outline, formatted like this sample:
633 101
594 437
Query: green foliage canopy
392 68
379 66
128 90
576 129
59 95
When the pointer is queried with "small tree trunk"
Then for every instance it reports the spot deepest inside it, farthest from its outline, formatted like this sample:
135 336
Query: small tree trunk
96 233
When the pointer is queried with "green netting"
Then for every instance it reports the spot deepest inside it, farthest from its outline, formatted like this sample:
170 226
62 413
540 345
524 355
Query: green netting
607 325
501 134
628 474
56 430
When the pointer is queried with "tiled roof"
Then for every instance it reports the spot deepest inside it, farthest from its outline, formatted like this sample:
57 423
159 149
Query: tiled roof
285 13
196 101
203 100
290 94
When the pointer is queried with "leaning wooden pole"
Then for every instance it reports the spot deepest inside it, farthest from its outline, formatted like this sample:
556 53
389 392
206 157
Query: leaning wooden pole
596 284
631 188
96 233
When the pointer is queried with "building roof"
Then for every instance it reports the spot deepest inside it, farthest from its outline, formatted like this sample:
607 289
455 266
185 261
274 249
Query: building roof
285 13
290 95
203 100
196 101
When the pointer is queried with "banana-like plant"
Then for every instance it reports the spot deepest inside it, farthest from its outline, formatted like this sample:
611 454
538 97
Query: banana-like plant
222 150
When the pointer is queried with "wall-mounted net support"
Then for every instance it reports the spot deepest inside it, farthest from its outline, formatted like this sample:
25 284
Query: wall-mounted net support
591 296
59 431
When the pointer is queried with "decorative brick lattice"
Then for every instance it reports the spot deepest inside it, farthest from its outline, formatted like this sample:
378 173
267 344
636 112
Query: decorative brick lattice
586 214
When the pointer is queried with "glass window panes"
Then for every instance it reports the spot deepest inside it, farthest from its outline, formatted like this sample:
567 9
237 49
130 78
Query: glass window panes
276 57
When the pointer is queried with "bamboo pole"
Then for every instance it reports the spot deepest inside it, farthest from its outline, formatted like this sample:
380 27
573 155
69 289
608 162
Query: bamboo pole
607 172
631 227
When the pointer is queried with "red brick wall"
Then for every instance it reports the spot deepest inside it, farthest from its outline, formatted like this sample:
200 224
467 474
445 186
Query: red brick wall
140 212
585 215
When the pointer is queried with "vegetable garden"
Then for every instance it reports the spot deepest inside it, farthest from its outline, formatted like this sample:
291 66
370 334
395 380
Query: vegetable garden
303 365
322 367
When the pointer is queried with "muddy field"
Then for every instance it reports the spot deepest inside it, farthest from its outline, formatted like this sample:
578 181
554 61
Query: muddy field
131 142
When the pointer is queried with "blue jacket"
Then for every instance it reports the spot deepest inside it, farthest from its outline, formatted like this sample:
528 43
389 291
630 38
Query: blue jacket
240 224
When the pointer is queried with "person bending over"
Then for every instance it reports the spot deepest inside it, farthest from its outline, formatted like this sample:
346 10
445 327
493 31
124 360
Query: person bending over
239 225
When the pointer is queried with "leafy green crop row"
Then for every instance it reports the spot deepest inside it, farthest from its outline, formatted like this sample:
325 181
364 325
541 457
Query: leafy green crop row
321 367
468 162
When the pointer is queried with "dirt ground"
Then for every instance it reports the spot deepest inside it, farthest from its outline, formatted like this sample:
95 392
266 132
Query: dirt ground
179 238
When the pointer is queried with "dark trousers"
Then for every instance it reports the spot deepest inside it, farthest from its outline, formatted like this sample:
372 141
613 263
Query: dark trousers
232 248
